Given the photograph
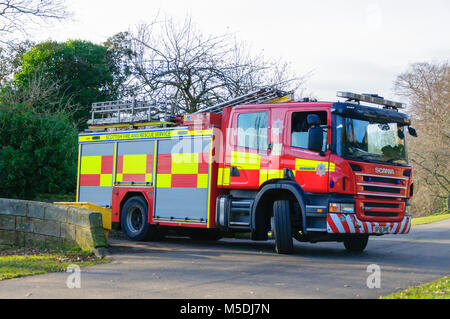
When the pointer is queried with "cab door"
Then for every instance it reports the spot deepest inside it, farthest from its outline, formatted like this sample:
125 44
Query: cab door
311 169
248 147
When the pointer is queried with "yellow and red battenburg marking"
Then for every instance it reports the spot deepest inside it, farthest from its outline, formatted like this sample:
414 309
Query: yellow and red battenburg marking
134 168
96 170
250 165
187 170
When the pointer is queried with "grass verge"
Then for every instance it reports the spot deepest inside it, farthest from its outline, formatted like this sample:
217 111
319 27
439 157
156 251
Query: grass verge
438 289
429 219
25 262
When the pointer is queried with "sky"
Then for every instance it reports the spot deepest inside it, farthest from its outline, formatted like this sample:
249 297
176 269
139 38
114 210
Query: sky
349 45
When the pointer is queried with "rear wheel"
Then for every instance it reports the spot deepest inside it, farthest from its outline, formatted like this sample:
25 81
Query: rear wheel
134 221
356 244
282 228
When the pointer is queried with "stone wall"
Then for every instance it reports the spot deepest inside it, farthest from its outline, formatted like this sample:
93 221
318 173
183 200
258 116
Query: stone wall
36 224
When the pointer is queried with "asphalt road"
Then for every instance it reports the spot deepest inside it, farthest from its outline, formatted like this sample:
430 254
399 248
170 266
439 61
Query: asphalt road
236 269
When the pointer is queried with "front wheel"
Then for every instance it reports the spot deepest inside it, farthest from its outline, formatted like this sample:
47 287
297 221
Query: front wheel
282 228
356 244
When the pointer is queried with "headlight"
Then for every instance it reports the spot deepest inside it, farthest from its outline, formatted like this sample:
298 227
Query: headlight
345 208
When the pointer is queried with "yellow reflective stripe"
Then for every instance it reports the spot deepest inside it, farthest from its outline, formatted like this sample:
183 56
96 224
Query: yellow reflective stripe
141 135
185 158
268 174
274 173
311 165
185 163
155 159
208 182
262 176
226 176
114 163
134 164
91 165
119 177
331 167
78 171
164 180
245 160
149 177
202 181
105 180
220 176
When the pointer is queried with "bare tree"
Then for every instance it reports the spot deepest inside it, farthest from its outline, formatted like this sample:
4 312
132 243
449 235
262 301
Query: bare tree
247 71
39 93
10 59
175 63
17 15
427 88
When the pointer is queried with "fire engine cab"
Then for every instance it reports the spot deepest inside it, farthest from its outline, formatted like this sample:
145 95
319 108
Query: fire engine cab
263 164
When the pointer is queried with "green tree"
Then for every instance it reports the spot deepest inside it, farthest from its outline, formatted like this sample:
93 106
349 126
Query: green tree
38 152
85 73
38 147
119 56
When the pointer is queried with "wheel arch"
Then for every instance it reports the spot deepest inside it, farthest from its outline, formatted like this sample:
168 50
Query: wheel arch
280 189
126 197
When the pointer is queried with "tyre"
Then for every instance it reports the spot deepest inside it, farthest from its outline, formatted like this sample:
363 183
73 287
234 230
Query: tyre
356 244
134 220
282 229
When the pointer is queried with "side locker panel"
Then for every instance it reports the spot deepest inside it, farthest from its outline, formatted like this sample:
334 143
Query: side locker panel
182 180
96 173
135 163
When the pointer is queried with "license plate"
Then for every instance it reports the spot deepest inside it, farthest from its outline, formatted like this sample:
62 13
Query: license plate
381 229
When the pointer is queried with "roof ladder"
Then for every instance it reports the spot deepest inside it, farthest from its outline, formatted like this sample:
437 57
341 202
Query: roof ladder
264 95
116 114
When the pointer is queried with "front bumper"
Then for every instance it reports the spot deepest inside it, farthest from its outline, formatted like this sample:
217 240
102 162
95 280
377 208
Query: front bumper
350 224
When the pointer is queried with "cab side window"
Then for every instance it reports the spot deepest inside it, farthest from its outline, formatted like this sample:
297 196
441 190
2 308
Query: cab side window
253 130
300 127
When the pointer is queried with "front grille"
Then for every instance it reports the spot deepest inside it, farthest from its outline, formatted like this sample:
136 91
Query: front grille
380 186
382 180
380 214
382 189
383 205
380 209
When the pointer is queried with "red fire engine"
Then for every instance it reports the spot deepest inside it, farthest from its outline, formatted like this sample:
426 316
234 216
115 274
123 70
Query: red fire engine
262 164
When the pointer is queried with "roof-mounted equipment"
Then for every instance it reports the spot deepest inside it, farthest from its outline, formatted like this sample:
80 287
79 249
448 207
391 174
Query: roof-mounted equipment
264 95
370 98
126 114
134 114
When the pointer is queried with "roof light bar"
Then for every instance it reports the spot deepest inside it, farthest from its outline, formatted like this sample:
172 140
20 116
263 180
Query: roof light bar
370 98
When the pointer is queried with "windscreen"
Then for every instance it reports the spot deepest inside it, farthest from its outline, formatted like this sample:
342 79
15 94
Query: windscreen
371 141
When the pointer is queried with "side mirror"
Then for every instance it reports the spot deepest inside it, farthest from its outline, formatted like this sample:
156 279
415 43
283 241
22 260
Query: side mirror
315 139
412 131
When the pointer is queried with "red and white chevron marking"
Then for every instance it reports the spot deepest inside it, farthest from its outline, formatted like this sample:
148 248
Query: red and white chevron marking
350 224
